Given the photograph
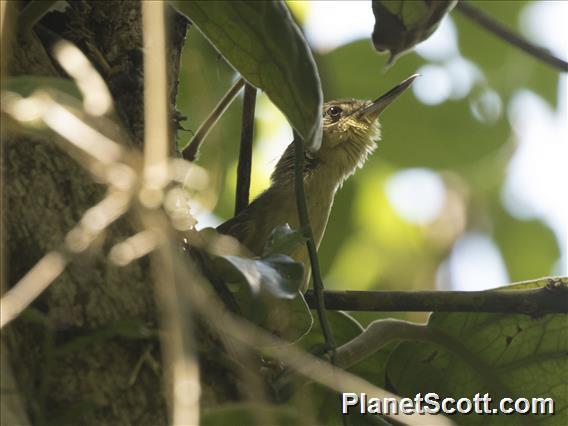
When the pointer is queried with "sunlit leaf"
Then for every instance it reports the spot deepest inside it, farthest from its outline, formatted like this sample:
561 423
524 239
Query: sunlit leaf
400 25
263 43
503 355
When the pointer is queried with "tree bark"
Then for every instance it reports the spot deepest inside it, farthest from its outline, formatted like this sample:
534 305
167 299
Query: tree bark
74 354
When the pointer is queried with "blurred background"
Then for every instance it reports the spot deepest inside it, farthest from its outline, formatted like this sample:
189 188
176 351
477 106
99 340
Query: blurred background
465 190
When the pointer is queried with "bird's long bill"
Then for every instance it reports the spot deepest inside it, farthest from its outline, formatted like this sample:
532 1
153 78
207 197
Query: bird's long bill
384 101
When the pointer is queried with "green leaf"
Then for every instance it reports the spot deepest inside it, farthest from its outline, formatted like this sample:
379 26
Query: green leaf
503 355
249 414
289 319
262 42
283 240
374 368
278 275
400 25
266 291
344 327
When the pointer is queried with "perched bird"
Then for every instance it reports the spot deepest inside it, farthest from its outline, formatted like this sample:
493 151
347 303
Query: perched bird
350 133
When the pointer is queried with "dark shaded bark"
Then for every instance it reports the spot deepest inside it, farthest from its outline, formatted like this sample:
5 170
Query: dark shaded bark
74 353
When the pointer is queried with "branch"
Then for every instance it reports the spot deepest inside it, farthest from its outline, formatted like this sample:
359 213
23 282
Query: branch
245 153
318 301
190 151
552 298
490 24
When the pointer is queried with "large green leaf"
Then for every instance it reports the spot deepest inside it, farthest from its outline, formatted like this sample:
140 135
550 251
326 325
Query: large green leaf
266 292
266 289
288 319
277 274
503 355
400 25
262 42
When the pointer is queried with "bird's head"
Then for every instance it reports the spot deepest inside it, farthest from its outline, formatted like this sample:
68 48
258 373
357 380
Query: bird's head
350 133
351 127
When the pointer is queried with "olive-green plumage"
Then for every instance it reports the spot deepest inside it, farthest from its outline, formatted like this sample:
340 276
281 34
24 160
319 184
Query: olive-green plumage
350 133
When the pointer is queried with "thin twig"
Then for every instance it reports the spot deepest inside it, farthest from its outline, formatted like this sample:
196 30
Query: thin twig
490 24
156 129
304 219
553 298
180 353
190 151
245 153
177 328
36 280
319 302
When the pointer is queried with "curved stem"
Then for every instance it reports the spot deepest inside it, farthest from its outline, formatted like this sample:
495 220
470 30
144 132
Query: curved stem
319 302
190 151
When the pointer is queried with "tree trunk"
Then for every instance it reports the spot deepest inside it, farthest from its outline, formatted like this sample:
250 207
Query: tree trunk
85 351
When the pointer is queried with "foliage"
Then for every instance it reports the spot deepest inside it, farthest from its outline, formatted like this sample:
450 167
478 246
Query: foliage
510 356
470 151
272 56
367 240
399 26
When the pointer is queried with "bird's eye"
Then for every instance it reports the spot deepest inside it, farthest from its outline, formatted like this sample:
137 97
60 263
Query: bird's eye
334 112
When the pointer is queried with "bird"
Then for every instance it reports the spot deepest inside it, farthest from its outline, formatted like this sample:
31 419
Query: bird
351 130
